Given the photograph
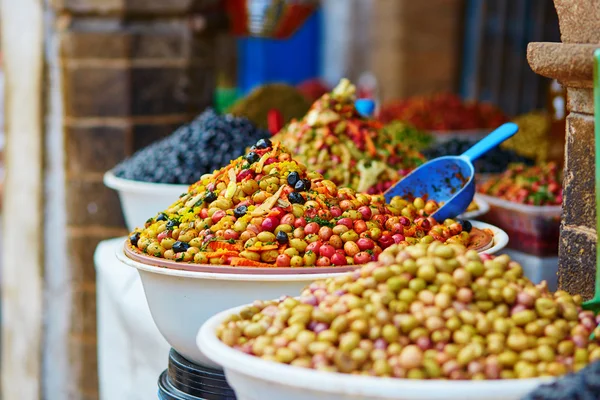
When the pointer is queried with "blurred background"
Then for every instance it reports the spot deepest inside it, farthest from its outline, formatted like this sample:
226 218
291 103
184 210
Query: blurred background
90 82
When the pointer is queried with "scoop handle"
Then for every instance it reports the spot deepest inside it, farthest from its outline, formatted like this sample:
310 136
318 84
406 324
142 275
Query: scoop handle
499 135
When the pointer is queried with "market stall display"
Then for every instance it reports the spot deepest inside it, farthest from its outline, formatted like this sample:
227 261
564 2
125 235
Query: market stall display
443 112
526 202
401 132
533 140
148 181
205 144
449 180
421 312
348 149
494 162
313 89
289 101
266 210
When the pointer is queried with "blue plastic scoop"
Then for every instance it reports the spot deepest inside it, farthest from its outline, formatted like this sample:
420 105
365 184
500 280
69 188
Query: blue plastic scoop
449 179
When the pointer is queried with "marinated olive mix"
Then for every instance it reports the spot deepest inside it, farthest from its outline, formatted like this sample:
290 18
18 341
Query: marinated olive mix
348 149
540 185
427 311
266 209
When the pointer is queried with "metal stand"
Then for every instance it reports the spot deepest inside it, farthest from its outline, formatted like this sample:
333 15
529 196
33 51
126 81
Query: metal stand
186 381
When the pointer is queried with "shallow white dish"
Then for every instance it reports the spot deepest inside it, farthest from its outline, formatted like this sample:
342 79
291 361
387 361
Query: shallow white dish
181 301
253 378
500 237
142 200
483 205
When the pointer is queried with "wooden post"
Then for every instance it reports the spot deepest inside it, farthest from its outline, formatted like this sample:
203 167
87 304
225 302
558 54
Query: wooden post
22 268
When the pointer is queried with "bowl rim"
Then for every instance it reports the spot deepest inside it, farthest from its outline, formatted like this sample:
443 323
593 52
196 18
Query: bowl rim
483 205
500 236
131 258
233 276
330 382
114 182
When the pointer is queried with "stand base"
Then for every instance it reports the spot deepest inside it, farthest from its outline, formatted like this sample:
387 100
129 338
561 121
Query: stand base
186 381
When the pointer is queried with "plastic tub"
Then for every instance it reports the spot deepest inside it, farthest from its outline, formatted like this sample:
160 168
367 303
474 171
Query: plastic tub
533 229
253 378
141 200
181 301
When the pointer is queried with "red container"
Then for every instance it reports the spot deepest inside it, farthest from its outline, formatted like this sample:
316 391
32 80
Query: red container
531 229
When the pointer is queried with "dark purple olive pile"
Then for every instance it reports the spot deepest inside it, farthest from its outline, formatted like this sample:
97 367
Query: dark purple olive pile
206 144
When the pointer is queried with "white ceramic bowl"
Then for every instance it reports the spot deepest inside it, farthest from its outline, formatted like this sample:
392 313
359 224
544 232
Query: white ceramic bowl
142 200
483 205
181 301
253 378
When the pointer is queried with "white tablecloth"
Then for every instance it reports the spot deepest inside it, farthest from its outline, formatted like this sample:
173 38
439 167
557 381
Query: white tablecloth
131 352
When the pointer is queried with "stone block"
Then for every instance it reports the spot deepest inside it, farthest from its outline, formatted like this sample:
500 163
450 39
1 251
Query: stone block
94 149
97 91
143 135
156 91
83 317
83 355
80 254
577 261
89 202
96 45
579 187
131 7
580 100
579 20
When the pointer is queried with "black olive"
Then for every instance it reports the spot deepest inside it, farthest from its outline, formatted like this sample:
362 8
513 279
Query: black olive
466 225
296 198
282 237
133 239
263 144
302 185
240 211
252 157
292 178
210 197
179 247
171 224
162 217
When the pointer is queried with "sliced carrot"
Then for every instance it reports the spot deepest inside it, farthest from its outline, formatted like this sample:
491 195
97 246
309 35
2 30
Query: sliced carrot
263 248
244 262
215 254
214 246
370 145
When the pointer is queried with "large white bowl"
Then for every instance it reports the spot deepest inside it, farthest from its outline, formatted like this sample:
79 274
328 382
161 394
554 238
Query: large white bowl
181 301
142 200
253 378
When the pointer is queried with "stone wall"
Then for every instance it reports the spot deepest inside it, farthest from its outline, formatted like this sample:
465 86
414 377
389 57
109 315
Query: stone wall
131 72
571 62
